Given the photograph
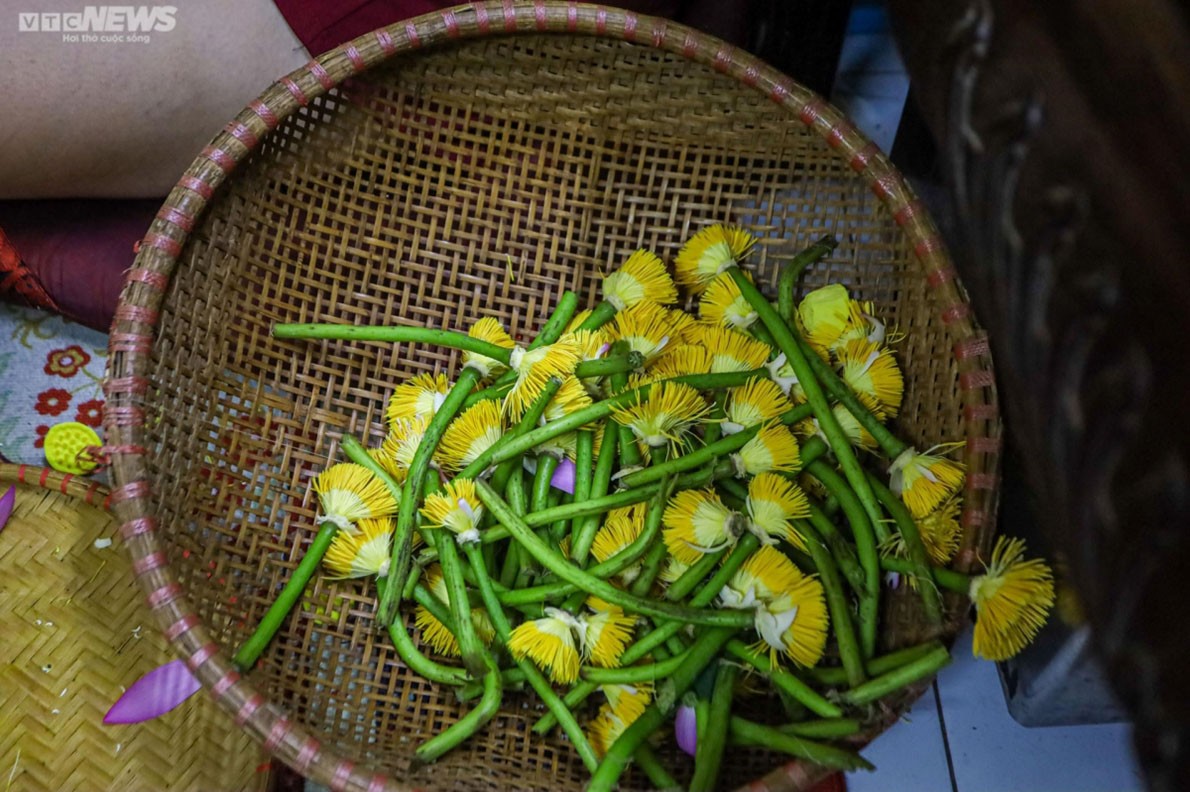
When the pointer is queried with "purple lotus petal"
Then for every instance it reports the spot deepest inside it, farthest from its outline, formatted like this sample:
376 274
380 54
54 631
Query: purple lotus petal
154 694
6 504
893 579
686 729
563 477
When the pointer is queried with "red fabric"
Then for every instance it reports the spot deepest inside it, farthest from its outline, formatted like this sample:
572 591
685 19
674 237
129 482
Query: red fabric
323 25
17 280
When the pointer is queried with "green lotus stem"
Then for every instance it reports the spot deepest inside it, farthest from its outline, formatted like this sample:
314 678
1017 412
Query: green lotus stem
842 551
735 489
603 570
919 558
695 574
411 493
827 421
839 607
584 473
473 721
412 657
635 674
394 335
587 526
471 648
714 427
787 283
946 578
694 459
555 326
518 501
486 394
881 686
546 465
702 653
648 642
650 568
825 729
291 592
603 313
795 414
527 423
607 366
803 693
649 764
865 547
563 569
532 674
440 611
841 392
745 732
712 741
573 698
876 666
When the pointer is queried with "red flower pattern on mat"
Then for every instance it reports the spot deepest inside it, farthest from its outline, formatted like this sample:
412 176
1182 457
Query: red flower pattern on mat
41 433
90 413
52 402
66 362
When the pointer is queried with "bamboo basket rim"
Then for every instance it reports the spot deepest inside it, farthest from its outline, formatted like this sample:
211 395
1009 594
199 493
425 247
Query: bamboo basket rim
137 316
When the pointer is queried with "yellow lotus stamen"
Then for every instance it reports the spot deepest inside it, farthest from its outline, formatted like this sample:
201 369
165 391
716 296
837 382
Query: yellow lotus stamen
645 328
685 329
774 448
535 368
853 430
490 330
605 729
571 397
400 445
590 344
790 607
823 316
348 493
665 416
550 643
723 304
388 464
862 325
758 401
709 252
419 397
620 528
773 501
783 374
872 372
469 435
577 320
642 278
672 570
439 636
697 522
608 631
362 554
940 531
679 361
627 702
731 350
456 508
1012 601
924 480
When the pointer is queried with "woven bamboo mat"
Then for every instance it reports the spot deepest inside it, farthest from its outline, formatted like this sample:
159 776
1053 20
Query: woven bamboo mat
75 631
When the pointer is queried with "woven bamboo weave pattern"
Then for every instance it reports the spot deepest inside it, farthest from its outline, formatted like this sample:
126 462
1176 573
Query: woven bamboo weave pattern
478 177
75 631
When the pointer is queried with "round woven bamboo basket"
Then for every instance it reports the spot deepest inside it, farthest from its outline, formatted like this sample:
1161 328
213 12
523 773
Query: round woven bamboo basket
475 162
76 631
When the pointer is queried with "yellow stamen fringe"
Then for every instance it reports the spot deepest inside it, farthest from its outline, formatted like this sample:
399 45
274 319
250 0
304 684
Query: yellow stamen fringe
549 642
1012 601
419 397
872 372
348 493
646 328
940 531
774 448
362 554
679 361
672 570
456 508
757 401
924 480
620 529
571 396
709 252
628 701
642 278
403 438
490 330
665 416
589 343
608 631
388 464
469 435
773 501
731 350
861 326
577 320
535 368
624 705
697 522
436 634
723 304
685 329
853 430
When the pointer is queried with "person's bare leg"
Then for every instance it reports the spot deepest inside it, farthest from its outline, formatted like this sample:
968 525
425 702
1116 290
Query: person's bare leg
98 119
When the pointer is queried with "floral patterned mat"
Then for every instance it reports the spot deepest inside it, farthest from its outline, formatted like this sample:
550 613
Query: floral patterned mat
52 372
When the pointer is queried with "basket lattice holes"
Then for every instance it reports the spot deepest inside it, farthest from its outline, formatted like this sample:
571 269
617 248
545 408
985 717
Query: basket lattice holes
480 180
